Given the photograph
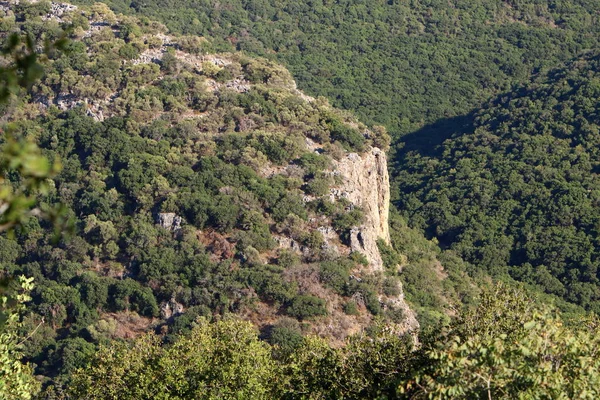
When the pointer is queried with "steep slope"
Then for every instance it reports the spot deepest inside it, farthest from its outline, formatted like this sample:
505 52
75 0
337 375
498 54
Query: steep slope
397 63
514 188
199 185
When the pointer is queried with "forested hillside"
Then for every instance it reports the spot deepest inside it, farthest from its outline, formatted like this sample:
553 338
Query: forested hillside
395 63
419 68
196 184
178 220
515 187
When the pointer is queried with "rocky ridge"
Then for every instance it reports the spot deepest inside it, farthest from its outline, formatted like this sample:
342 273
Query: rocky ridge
362 178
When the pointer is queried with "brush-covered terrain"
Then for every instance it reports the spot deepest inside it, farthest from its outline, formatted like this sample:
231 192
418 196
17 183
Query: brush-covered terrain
196 184
397 63
179 221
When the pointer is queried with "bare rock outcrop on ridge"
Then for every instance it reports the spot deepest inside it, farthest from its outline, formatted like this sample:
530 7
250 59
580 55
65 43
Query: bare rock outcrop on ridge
366 184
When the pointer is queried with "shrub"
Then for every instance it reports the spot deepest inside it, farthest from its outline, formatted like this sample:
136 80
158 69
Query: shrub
313 163
346 221
306 306
368 294
391 286
351 308
313 239
350 138
289 204
129 52
335 274
318 186
359 258
287 258
391 258
286 334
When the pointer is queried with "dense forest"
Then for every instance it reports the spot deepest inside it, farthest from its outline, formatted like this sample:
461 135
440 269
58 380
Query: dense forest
396 63
514 188
175 220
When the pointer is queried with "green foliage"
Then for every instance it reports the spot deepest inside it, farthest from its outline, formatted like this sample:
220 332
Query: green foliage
318 186
514 190
359 258
508 349
170 141
349 137
224 360
394 63
19 155
306 307
336 274
391 259
366 293
350 308
286 336
348 220
23 174
16 379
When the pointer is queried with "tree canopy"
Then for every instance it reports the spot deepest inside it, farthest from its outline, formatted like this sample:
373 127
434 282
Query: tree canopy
513 190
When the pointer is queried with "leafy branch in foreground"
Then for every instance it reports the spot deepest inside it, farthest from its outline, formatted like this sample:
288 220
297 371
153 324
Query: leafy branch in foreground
508 349
23 67
16 378
24 175
19 155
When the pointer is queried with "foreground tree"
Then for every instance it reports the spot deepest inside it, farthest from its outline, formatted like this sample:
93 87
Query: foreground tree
16 378
509 349
223 360
19 157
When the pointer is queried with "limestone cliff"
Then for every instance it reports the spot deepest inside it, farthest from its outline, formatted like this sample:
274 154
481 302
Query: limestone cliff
365 183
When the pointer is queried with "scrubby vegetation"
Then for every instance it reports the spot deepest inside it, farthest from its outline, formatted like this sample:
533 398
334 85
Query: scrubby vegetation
514 190
180 172
506 348
397 63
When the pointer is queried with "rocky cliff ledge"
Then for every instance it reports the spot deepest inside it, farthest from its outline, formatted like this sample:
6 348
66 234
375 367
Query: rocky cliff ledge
365 183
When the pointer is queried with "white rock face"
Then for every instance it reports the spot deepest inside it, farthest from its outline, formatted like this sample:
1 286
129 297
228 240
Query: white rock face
169 221
366 184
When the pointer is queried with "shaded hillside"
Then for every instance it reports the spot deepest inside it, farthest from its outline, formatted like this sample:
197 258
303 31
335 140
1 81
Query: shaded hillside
515 187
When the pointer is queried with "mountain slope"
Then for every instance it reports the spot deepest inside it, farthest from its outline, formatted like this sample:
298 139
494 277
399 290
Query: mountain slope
199 184
396 63
514 188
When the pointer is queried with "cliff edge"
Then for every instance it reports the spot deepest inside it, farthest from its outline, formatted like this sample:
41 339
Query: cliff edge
365 183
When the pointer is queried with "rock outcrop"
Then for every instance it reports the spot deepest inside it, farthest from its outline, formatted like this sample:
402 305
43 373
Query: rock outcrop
365 183
169 221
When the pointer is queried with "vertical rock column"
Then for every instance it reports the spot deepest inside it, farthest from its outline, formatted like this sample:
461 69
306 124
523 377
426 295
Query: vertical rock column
366 184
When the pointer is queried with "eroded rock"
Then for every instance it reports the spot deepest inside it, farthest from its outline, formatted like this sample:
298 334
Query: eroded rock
366 184
169 221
